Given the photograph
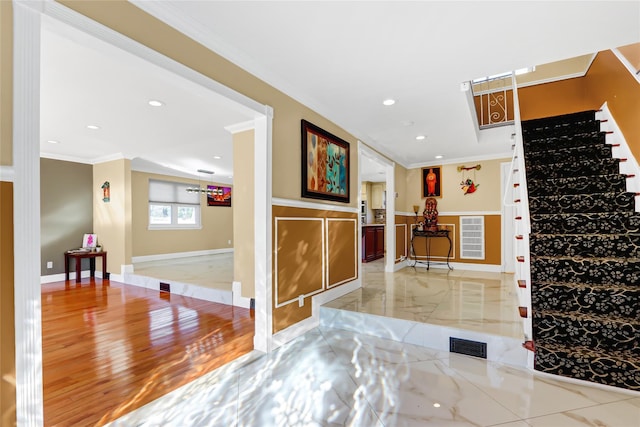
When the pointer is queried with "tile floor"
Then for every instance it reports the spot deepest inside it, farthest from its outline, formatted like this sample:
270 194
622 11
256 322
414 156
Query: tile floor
331 377
336 377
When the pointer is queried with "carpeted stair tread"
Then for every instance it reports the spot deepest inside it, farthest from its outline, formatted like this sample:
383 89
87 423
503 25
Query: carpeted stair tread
615 300
614 368
592 330
586 270
576 116
618 245
572 169
588 223
536 130
577 185
571 154
532 145
583 203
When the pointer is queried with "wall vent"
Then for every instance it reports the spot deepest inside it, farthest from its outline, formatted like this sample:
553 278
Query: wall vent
470 348
472 237
165 287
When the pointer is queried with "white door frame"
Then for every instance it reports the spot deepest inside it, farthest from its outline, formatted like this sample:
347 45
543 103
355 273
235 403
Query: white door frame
26 165
390 225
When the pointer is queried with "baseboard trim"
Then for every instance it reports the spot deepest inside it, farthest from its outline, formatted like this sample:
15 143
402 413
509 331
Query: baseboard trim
60 277
162 257
492 268
238 299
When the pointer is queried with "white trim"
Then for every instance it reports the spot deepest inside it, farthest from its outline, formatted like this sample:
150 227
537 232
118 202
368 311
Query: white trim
282 337
175 255
60 277
355 248
26 211
290 203
492 268
74 159
299 297
7 173
627 64
405 243
240 127
495 156
400 265
236 294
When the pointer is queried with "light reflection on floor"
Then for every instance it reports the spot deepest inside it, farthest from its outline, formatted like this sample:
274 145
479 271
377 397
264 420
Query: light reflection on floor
333 377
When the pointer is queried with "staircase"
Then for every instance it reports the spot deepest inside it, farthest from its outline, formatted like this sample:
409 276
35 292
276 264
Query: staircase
585 253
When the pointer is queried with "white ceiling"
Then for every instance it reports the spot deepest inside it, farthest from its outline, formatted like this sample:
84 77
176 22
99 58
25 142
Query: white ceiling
342 59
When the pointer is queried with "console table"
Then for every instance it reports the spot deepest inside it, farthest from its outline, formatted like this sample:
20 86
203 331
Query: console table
428 235
78 256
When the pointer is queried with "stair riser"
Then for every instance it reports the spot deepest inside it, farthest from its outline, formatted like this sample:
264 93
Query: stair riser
577 154
569 170
587 332
567 141
587 300
580 185
585 224
599 246
585 271
621 202
603 370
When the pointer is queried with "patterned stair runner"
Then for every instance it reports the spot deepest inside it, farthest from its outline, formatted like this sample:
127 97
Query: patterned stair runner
585 253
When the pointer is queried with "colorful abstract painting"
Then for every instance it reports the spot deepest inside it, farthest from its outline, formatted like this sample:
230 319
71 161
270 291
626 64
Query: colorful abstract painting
325 165
218 196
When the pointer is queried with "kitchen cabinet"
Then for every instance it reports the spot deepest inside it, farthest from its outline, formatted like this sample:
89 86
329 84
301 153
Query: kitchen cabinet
377 195
372 242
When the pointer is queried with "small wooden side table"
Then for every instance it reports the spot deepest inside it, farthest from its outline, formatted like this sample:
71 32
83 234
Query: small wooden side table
78 256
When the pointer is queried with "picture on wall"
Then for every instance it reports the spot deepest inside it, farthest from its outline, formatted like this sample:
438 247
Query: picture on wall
432 181
325 165
218 196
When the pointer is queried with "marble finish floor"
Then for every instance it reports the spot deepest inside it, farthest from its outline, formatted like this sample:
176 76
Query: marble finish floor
207 271
331 377
477 301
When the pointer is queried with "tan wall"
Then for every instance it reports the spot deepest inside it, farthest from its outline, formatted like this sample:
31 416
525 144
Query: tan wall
486 198
440 246
112 220
400 176
136 24
7 330
243 212
632 53
216 231
6 83
606 81
609 81
298 257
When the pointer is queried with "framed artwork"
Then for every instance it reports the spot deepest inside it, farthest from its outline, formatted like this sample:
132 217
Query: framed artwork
432 181
89 240
325 165
218 196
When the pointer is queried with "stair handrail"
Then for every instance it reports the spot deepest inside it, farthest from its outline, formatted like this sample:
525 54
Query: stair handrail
519 159
510 177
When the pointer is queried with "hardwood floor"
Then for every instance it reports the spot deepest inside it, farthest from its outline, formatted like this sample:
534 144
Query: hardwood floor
109 348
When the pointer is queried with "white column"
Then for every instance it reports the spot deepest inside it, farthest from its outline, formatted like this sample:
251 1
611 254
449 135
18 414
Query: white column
26 161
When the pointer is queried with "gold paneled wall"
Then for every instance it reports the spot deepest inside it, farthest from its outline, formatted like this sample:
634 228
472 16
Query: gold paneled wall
313 251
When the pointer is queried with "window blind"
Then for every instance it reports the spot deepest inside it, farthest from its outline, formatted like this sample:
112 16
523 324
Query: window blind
172 192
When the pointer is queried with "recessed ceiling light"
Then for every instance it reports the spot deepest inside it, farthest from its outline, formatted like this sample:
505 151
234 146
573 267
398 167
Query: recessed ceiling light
217 157
389 102
53 141
436 405
156 103
439 156
420 137
93 127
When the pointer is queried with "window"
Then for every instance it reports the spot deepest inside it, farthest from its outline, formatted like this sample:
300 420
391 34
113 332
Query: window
171 206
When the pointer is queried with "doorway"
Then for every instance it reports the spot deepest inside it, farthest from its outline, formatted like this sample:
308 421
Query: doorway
28 330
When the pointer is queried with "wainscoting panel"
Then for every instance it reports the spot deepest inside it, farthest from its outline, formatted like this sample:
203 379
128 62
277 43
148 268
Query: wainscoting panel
342 250
401 242
299 261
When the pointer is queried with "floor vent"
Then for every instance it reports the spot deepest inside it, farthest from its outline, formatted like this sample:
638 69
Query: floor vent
165 287
470 348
